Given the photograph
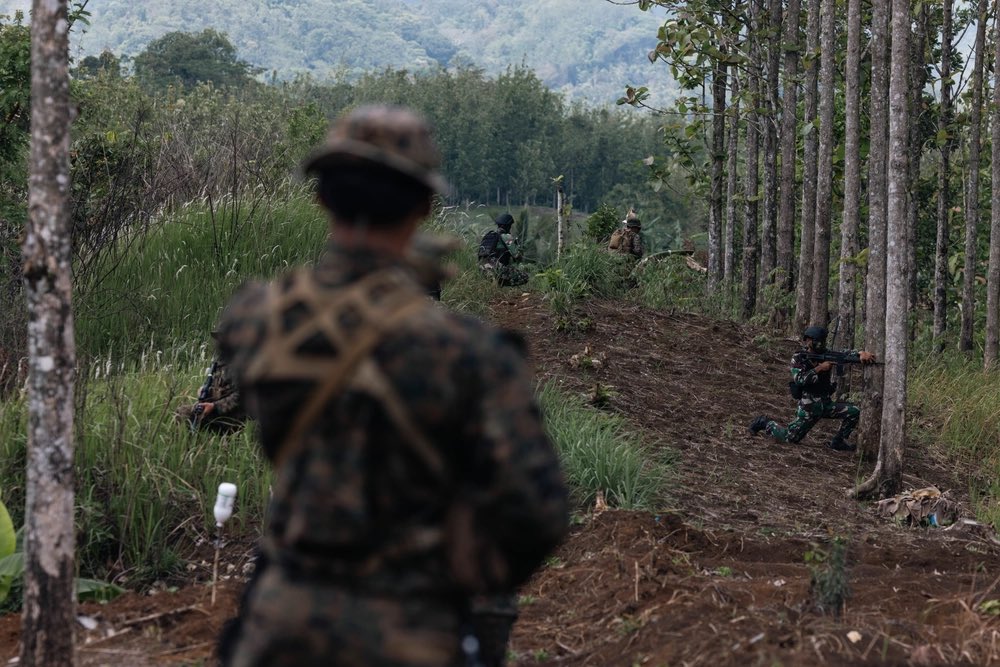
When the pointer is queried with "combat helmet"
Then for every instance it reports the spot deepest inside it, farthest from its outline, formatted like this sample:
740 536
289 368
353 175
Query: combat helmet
504 221
817 334
632 220
385 135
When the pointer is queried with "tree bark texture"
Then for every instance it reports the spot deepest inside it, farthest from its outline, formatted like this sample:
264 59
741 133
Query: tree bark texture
871 402
918 79
889 480
824 167
941 276
803 295
991 353
732 159
852 177
789 137
715 269
965 342
49 593
769 126
751 247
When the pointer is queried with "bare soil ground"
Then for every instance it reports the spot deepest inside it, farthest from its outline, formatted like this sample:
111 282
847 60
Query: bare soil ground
717 577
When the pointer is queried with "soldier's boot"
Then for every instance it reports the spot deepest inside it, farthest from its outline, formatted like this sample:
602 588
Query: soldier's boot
841 445
758 424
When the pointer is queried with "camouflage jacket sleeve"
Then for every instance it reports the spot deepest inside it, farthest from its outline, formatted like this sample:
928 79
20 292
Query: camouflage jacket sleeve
513 245
518 487
803 372
228 396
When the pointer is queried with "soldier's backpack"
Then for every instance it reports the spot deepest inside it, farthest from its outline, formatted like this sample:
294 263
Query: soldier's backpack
488 246
616 239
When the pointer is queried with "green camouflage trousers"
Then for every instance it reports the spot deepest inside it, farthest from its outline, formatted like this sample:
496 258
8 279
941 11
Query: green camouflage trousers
809 413
290 622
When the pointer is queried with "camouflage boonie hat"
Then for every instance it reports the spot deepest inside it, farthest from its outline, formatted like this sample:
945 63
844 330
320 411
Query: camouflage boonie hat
390 136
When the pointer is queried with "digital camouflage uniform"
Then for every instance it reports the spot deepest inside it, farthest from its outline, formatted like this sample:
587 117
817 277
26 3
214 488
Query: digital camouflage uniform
425 478
816 403
228 414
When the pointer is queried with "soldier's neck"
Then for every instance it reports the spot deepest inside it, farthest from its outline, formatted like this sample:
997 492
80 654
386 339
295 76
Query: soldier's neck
385 240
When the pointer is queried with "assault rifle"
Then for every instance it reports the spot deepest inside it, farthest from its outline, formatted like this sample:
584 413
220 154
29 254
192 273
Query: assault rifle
838 358
204 394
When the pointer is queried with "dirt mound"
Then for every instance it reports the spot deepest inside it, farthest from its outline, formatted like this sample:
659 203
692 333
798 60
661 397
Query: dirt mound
724 575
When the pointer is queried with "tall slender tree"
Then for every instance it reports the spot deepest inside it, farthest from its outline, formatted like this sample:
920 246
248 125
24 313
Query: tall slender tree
824 170
732 178
852 175
715 268
789 137
991 354
769 126
918 79
887 478
751 244
803 296
49 593
944 181
870 426
972 184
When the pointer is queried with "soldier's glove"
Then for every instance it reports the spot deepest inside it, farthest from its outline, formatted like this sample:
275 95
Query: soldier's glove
867 357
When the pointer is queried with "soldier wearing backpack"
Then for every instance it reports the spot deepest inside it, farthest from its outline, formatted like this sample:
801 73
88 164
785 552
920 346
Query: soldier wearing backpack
628 239
413 477
500 252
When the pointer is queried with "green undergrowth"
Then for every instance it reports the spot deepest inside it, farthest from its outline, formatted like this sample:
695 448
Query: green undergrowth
145 484
601 454
958 408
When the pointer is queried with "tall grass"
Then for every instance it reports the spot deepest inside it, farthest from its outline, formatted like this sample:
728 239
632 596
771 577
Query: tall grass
959 408
600 454
171 284
145 483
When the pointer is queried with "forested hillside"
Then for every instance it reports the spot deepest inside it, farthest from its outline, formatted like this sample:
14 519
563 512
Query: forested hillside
588 49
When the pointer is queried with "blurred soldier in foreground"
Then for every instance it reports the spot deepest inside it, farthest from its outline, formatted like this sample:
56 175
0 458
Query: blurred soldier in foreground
500 253
411 468
218 407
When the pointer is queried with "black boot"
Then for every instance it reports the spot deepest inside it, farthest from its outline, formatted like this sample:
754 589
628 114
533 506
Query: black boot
758 424
839 444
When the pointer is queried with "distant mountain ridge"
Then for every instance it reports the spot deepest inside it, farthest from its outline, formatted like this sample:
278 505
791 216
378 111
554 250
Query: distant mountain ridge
589 50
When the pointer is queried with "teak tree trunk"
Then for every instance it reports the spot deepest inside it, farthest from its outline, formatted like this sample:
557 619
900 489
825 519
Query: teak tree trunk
941 276
852 177
824 169
803 294
769 126
965 342
992 350
715 269
789 137
49 593
732 181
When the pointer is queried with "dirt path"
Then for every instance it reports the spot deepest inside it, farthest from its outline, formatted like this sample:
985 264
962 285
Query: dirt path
717 578
722 578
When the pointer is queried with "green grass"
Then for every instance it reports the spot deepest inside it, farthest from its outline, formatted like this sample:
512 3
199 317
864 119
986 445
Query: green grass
600 453
145 484
958 405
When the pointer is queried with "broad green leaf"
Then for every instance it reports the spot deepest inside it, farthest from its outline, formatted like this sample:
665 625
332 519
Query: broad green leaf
8 538
11 570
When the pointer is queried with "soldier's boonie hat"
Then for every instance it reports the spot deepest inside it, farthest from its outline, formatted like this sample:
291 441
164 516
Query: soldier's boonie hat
816 333
632 220
393 137
504 220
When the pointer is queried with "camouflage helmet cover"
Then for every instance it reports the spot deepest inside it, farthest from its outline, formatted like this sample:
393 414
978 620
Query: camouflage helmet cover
390 136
